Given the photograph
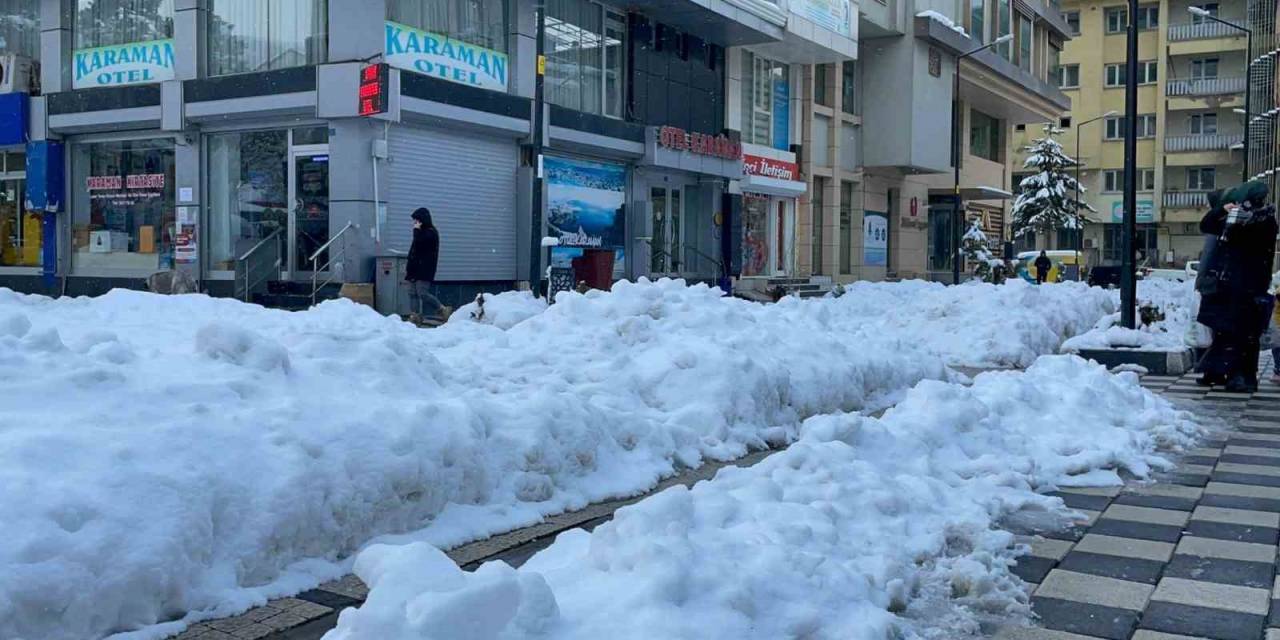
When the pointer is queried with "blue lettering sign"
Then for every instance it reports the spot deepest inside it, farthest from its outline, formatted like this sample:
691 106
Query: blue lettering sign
439 55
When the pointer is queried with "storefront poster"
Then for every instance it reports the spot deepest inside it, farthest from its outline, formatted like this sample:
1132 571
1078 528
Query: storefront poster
443 57
875 239
781 114
134 63
585 209
833 15
1146 211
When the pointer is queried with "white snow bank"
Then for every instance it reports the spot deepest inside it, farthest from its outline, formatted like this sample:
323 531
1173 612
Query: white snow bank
162 455
1178 331
864 529
503 310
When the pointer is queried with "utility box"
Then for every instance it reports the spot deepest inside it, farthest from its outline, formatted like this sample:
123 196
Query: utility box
391 291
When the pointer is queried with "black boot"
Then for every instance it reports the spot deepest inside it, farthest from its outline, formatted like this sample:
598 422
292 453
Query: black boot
1239 384
1208 380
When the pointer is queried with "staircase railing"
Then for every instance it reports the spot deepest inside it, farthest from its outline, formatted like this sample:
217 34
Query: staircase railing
322 274
258 265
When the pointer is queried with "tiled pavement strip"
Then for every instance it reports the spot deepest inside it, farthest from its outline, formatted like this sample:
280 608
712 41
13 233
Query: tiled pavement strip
1192 556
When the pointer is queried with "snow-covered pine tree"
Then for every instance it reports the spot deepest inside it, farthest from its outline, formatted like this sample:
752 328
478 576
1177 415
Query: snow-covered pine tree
1047 198
977 252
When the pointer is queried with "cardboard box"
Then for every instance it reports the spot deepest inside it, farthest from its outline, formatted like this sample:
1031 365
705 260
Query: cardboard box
146 239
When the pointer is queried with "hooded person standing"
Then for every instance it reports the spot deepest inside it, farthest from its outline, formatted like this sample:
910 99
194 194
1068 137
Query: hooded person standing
1233 285
424 256
1043 265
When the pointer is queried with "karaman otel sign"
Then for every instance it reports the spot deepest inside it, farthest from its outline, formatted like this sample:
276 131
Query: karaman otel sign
443 57
117 65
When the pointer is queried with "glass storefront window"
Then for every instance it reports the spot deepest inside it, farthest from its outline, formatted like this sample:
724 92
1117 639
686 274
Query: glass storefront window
103 23
984 136
258 35
20 27
123 206
20 232
755 235
766 94
585 45
248 193
479 22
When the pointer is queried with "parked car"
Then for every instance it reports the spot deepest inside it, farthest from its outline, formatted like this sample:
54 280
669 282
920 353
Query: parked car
1107 276
1166 274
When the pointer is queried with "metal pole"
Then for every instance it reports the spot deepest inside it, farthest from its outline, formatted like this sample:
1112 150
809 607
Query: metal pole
957 119
1079 243
1248 95
1128 270
535 220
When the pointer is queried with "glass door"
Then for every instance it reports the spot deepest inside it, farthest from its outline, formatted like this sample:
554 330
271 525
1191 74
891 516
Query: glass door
309 213
666 246
783 224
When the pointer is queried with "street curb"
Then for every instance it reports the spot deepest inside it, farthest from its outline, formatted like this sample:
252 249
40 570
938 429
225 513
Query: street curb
1157 363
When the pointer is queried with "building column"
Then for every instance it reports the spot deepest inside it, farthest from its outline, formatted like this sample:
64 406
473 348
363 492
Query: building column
189 35
55 45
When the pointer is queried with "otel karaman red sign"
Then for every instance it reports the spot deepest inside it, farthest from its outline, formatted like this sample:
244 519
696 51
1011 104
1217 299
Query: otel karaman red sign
702 144
770 168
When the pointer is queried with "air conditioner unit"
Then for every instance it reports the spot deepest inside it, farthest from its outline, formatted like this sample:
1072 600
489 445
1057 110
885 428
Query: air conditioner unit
18 74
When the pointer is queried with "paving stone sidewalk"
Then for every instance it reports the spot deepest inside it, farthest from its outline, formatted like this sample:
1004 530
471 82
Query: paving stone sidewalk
1192 556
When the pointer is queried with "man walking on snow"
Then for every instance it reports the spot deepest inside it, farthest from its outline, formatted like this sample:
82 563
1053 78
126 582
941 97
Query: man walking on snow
424 255
1043 265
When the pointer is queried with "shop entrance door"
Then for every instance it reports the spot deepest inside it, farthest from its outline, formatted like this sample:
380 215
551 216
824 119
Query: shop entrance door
667 246
309 212
783 224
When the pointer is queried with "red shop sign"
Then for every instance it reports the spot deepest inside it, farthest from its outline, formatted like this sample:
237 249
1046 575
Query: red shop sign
700 143
770 168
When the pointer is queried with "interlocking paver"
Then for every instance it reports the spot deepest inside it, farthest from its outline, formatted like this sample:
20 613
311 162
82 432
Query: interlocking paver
1212 548
1146 514
1237 516
1248 469
1125 547
1213 595
1091 589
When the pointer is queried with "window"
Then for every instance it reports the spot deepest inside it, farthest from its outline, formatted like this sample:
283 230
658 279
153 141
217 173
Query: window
1070 238
1112 181
1114 128
20 27
102 23
765 91
1201 179
1024 42
1073 22
849 87
1115 74
1054 61
248 192
846 227
1146 179
1204 69
123 199
1004 27
1147 72
21 232
1020 127
1117 19
482 23
584 45
1211 7
821 79
816 204
984 136
1147 125
1149 16
1144 240
977 20
1064 123
257 35
1069 76
1204 124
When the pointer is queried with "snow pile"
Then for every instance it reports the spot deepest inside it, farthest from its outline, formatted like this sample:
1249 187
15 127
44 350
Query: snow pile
864 529
1179 303
503 310
162 455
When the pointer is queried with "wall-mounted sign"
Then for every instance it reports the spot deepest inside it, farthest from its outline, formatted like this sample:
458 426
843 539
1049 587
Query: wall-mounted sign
770 168
585 209
875 239
700 143
1146 211
781 114
374 89
117 65
443 57
833 15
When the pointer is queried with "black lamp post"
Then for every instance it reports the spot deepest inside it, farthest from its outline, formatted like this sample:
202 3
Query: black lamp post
956 119
1080 235
1248 111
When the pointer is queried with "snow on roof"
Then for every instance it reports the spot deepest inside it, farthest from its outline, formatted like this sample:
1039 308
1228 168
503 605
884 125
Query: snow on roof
998 190
944 20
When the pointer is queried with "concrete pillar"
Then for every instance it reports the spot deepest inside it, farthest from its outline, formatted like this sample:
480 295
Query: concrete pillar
522 47
55 45
189 38
187 155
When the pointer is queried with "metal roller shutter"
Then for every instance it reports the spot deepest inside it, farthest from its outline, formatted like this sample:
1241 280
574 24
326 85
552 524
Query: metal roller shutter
468 181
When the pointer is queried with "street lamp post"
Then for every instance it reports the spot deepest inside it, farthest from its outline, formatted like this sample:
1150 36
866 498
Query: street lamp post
956 120
1080 236
1128 270
1248 90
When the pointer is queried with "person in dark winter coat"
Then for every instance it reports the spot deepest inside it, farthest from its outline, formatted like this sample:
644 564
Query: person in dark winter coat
1233 283
424 256
1043 265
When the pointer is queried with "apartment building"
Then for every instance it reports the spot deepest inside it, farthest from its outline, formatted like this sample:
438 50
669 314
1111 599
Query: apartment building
1191 125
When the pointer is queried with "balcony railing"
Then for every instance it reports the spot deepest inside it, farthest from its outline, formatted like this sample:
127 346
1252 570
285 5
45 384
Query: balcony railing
1202 31
1205 86
1186 200
1202 142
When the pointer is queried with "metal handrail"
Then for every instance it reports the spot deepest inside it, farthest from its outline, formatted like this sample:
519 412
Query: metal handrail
1200 31
333 258
1204 86
272 240
1202 142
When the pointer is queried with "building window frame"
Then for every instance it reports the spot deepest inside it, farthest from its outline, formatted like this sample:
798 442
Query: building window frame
1212 7
605 74
1114 75
1146 180
985 139
759 84
978 20
849 87
1026 41
1069 76
263 13
1148 17
1073 22
1116 19
1205 68
1202 124
1202 178
847 190
1148 72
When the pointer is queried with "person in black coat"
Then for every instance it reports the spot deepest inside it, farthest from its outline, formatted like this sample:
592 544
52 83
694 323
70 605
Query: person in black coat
424 256
1043 265
1235 275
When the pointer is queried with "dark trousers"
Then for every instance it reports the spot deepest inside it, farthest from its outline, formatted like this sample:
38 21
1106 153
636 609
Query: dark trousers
1041 275
420 297
1231 354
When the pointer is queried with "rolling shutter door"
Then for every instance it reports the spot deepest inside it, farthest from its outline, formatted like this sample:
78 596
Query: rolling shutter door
468 181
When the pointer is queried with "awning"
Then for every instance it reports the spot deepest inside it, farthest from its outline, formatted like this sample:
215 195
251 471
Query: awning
973 193
773 186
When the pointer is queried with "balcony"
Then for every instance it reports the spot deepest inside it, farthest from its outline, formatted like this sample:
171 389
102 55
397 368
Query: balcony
1205 87
1186 200
1202 142
1202 31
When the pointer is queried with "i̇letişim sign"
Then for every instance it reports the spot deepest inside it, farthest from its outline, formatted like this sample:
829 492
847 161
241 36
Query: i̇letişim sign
117 65
437 55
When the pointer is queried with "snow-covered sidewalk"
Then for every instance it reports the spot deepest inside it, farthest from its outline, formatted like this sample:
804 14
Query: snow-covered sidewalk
864 529
179 458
